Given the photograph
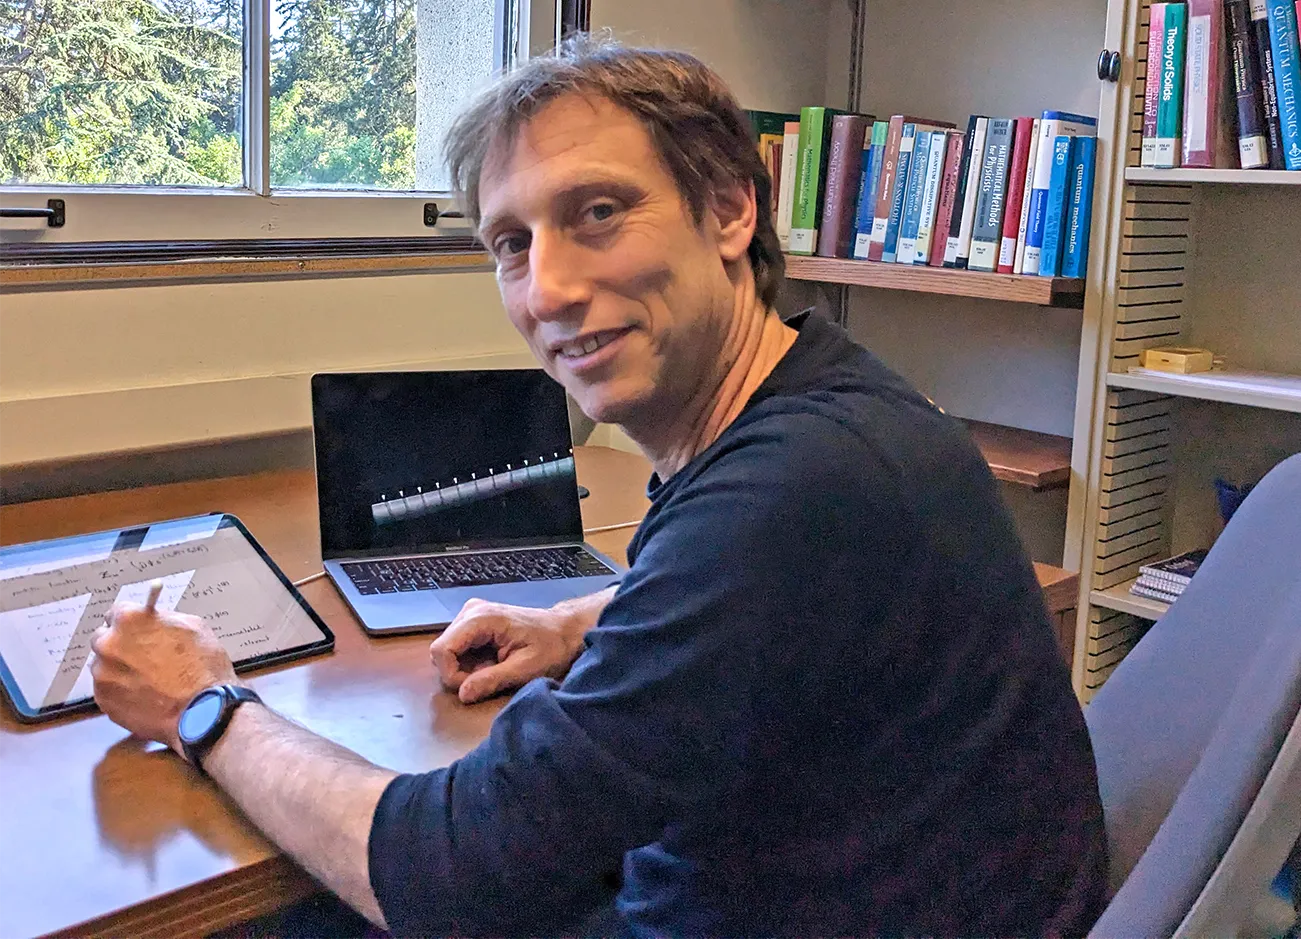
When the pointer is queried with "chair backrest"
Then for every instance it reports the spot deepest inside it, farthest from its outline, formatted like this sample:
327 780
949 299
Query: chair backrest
1193 721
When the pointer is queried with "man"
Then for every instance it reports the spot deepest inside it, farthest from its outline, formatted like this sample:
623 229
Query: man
825 699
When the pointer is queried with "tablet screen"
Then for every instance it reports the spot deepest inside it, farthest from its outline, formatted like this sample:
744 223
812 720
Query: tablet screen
55 594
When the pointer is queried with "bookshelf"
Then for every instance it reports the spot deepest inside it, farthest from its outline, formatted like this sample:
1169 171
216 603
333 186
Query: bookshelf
1147 174
1041 291
1023 457
1233 386
1119 598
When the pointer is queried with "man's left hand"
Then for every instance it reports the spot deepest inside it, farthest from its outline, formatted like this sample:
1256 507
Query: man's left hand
148 666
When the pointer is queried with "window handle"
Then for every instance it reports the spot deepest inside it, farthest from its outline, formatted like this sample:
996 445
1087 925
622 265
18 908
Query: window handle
53 213
432 215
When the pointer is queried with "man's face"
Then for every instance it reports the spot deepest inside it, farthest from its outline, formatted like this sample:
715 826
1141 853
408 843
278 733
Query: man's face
621 296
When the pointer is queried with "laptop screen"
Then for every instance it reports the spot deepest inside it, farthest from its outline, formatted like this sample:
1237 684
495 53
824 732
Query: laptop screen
419 461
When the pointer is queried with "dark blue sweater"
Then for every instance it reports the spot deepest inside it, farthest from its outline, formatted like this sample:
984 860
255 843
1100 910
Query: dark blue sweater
826 700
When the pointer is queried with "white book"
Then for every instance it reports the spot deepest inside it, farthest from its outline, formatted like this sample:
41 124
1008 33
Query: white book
931 195
786 208
1018 265
1050 128
961 245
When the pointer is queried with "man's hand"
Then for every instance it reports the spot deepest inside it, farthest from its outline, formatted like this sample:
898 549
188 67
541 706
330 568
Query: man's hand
493 647
148 666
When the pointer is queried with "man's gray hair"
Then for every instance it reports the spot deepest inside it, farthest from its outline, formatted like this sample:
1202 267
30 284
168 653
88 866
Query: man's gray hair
697 127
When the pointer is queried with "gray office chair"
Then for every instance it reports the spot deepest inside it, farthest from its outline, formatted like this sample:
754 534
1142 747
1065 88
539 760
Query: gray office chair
1198 735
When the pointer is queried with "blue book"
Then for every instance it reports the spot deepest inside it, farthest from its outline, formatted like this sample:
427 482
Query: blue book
907 140
1075 257
866 204
912 200
1287 78
1050 256
1052 124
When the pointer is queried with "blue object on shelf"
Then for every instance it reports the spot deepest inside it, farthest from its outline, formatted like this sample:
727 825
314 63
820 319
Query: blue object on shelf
1229 497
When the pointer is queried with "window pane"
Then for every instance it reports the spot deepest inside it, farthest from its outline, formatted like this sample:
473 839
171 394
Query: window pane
362 91
135 92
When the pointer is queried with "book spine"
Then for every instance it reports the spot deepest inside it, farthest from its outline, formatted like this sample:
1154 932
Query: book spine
1018 266
903 169
1203 74
988 230
910 219
844 166
1244 71
1169 112
808 181
948 197
1015 194
1050 256
1152 89
1268 87
786 187
1287 78
968 222
867 209
889 183
930 196
1053 124
864 194
1075 260
960 197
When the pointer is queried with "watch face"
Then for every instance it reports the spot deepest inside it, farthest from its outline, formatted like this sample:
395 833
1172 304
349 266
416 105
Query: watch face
197 719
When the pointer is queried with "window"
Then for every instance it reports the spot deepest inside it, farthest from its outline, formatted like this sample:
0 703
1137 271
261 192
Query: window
288 118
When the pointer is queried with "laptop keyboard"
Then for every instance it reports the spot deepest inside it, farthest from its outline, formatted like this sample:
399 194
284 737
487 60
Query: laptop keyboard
394 575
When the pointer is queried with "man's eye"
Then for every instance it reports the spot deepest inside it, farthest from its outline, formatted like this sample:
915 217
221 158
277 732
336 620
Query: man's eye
600 211
509 245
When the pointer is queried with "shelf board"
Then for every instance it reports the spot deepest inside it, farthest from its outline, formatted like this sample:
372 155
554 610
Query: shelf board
1043 291
1147 174
1120 599
1023 457
1272 390
1059 587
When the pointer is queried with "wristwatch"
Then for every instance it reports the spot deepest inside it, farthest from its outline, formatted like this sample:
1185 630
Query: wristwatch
205 718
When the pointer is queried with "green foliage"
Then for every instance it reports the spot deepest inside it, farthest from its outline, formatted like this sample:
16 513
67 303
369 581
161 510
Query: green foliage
149 92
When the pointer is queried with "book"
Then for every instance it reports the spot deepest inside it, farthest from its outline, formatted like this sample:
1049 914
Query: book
1152 89
1178 569
1142 590
1169 108
1079 218
1018 265
930 196
960 197
1052 125
891 184
987 232
769 122
1205 118
1050 255
774 164
903 180
786 187
1287 78
967 222
949 186
1268 88
810 175
1021 139
1244 72
867 204
1152 582
844 167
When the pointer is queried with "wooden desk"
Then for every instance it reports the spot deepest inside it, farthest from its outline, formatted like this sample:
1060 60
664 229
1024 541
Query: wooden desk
102 836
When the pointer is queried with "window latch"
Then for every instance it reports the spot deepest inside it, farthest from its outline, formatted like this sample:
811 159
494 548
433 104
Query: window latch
53 213
432 215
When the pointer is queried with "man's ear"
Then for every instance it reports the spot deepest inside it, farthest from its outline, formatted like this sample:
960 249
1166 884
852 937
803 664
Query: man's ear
736 212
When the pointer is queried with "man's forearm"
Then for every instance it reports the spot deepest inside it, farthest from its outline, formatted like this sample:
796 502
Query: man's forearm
582 613
311 797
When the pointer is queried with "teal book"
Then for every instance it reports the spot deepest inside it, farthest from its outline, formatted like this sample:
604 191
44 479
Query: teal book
1170 98
1075 256
1287 78
906 249
871 187
907 140
1050 255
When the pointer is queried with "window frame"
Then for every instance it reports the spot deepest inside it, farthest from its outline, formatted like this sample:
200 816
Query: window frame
254 210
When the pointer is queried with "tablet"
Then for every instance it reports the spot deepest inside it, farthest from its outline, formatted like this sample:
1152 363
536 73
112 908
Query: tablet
55 594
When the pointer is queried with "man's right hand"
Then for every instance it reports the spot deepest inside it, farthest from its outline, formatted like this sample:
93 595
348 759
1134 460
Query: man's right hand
495 647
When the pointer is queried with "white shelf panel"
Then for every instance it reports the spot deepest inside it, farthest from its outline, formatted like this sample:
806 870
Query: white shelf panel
1120 599
1255 389
1147 174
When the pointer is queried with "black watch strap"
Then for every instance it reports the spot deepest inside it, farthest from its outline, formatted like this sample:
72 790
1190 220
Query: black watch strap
232 697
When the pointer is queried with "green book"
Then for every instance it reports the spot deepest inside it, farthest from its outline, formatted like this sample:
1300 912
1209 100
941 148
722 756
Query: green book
810 177
1170 99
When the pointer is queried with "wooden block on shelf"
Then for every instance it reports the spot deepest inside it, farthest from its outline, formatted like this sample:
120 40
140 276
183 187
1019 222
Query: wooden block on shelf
1023 457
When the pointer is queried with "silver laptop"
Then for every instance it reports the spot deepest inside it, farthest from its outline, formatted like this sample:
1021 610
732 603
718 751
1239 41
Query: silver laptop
435 487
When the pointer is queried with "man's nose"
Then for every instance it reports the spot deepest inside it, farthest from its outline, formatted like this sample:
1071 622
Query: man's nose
557 282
